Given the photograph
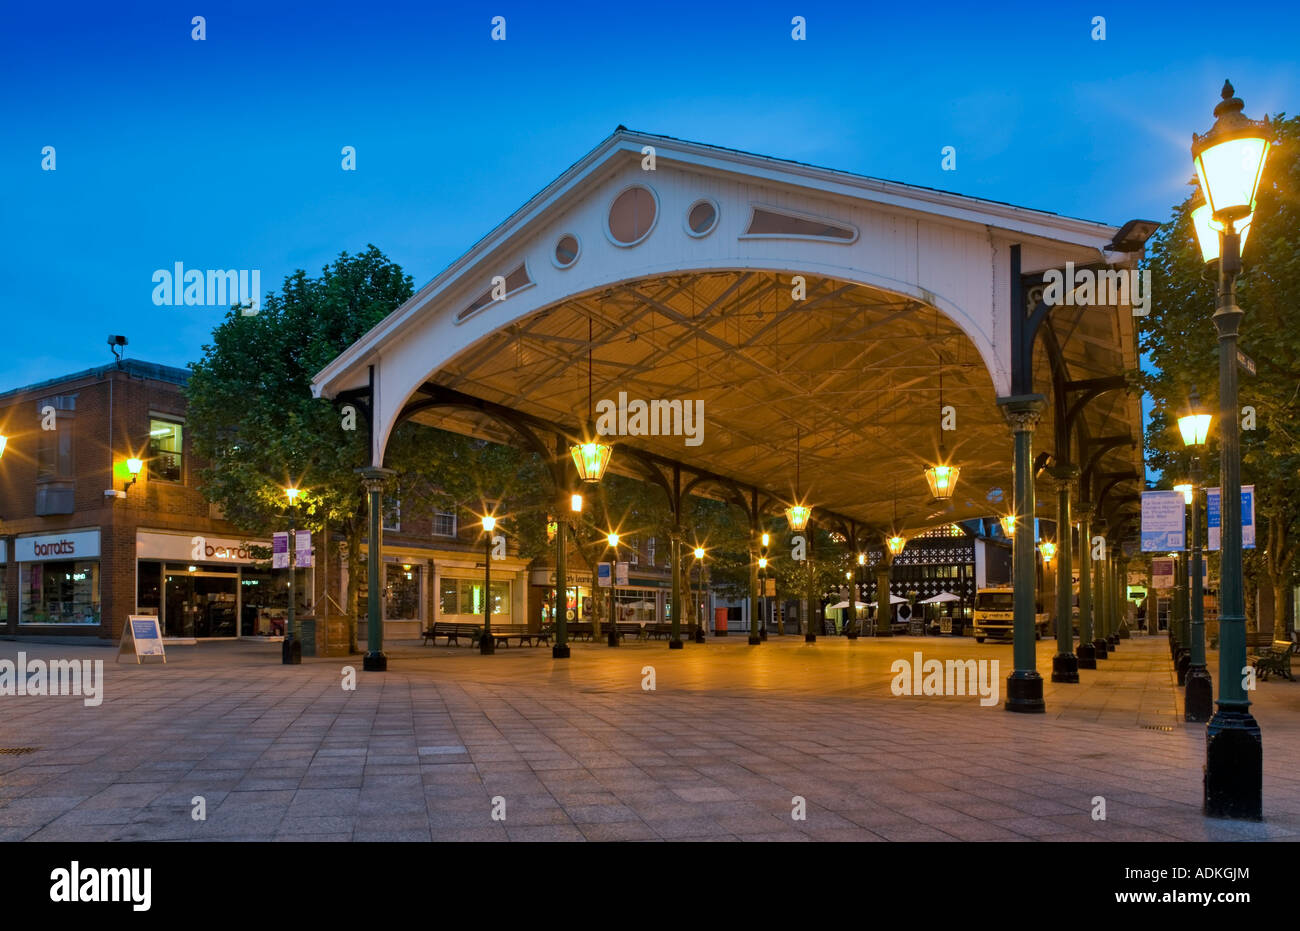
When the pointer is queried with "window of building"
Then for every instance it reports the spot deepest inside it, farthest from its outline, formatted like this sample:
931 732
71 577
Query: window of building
59 592
402 591
632 216
444 523
566 251
166 449
650 552
702 218
54 447
392 513
465 597
779 224
516 280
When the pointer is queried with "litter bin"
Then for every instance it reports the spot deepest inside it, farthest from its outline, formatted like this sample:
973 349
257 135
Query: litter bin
720 621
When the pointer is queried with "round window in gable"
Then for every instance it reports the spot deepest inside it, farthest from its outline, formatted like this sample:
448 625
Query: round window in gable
702 217
566 251
632 215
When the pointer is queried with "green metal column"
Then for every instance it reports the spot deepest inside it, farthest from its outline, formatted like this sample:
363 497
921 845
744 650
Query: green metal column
1024 685
1182 592
1198 702
810 589
561 648
1065 665
1087 649
675 549
755 621
375 660
883 608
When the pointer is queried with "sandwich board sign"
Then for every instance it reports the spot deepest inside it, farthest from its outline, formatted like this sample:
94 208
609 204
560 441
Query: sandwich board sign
144 636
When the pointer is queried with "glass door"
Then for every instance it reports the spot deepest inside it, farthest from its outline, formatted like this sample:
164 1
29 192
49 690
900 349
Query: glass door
200 604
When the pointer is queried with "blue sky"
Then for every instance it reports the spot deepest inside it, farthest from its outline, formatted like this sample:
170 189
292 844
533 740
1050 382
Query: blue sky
225 153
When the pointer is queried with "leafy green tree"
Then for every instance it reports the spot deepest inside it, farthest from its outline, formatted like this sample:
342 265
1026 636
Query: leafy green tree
1180 341
255 423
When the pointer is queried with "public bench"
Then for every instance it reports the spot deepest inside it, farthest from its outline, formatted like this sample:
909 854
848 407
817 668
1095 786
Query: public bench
502 634
453 632
665 630
1276 659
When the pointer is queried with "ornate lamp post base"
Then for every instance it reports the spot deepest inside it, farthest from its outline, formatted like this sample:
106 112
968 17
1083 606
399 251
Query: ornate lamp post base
613 635
1234 767
674 644
1198 701
560 652
809 638
1086 654
1184 661
291 651
376 661
1065 668
1101 649
1025 692
754 639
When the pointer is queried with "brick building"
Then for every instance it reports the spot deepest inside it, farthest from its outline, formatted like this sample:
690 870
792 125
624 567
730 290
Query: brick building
84 544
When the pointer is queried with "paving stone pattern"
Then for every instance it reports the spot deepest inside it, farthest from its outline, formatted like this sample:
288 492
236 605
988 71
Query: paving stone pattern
579 750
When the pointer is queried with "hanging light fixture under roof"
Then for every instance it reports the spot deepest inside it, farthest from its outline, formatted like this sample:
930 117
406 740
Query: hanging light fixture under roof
941 477
797 514
896 544
1195 424
1048 549
1009 525
590 457
1186 489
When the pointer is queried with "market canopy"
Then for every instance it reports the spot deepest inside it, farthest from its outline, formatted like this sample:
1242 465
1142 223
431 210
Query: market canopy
791 307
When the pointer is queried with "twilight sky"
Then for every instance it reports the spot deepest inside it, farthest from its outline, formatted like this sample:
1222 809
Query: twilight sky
225 153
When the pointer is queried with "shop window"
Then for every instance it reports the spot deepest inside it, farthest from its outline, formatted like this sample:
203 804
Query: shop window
59 593
444 523
465 597
401 591
166 449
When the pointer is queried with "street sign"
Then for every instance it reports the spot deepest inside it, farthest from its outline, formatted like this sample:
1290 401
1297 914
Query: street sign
143 636
1247 517
1163 520
1246 362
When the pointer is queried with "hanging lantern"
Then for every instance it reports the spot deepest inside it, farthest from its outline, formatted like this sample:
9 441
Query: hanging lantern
1009 525
797 516
896 544
942 480
552 528
590 459
1048 549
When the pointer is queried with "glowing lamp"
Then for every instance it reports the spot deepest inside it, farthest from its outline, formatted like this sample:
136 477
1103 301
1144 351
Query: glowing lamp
797 516
942 480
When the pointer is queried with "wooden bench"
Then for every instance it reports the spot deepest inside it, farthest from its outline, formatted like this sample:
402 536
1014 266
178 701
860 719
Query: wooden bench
1276 659
502 633
665 631
453 632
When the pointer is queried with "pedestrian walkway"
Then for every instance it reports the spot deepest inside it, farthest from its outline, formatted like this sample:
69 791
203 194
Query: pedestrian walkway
724 747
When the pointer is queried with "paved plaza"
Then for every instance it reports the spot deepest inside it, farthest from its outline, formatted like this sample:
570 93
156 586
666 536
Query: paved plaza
580 750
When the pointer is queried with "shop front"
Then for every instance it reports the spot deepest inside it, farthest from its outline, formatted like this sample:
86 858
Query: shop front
204 587
58 579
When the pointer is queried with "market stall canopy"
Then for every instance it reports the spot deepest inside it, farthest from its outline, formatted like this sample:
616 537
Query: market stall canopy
941 597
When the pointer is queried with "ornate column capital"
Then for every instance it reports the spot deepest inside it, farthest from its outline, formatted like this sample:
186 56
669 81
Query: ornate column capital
1022 411
1065 474
373 478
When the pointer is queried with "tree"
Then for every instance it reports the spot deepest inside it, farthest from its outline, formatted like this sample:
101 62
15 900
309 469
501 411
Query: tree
1180 342
254 421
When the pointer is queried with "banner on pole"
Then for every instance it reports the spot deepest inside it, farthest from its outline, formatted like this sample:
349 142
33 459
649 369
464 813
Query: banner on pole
1163 521
1162 572
620 573
302 549
280 550
1214 518
603 574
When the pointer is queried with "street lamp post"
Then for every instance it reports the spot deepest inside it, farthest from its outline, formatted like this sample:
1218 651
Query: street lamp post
1229 162
766 605
611 538
291 648
1199 698
486 644
698 553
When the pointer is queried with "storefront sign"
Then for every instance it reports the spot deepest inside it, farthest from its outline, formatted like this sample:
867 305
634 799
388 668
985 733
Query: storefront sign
83 544
194 548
